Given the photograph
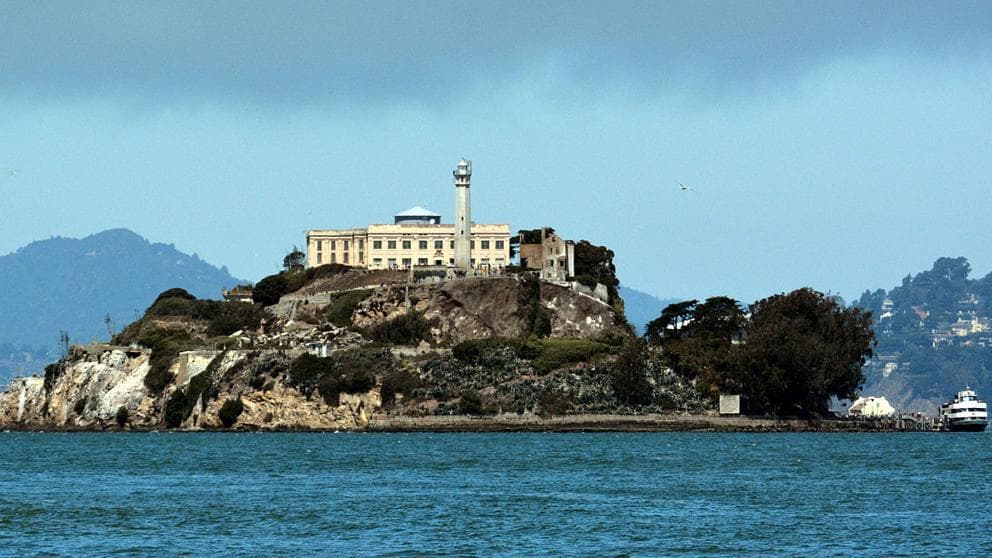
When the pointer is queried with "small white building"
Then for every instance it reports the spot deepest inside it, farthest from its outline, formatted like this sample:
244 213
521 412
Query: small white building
871 407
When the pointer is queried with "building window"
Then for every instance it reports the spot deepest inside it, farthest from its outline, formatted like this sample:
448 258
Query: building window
452 244
406 244
391 244
499 261
320 245
361 243
392 263
377 245
422 245
345 245
344 258
473 262
439 245
320 257
333 259
377 261
438 262
421 261
484 244
361 257
451 261
334 245
407 262
499 244
471 245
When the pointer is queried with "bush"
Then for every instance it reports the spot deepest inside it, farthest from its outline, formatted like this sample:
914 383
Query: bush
398 381
122 416
175 409
166 345
228 317
230 411
343 305
560 352
470 402
586 280
407 329
628 376
307 371
53 372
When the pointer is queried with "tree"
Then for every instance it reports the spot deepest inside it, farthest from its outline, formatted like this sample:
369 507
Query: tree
628 376
670 323
801 349
295 260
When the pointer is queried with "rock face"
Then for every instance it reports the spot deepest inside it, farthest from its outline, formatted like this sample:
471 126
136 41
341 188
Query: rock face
478 307
103 387
93 388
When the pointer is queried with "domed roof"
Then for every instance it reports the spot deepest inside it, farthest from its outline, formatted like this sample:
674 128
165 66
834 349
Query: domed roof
417 212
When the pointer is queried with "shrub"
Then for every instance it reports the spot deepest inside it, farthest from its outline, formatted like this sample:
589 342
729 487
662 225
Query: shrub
165 345
473 350
80 405
53 372
628 378
398 381
228 317
122 416
343 305
586 280
307 371
268 291
230 411
407 329
175 409
560 352
470 402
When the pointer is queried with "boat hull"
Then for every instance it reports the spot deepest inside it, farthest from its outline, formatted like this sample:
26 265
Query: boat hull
968 426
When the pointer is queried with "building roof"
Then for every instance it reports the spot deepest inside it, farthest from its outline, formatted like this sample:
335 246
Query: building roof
418 212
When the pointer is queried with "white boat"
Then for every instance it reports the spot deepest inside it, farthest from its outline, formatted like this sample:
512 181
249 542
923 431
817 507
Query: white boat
964 413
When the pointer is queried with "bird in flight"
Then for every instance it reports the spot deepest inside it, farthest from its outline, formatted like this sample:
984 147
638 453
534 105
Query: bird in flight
686 188
13 173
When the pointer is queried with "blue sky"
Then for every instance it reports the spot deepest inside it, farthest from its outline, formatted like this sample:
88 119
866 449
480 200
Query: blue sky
835 145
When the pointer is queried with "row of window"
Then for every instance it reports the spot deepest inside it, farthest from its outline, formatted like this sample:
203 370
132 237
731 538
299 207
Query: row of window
407 262
344 258
345 244
438 244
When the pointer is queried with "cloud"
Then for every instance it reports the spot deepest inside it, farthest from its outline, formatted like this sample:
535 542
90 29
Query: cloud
310 53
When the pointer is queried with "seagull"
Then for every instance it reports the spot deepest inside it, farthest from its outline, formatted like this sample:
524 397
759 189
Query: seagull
686 188
13 173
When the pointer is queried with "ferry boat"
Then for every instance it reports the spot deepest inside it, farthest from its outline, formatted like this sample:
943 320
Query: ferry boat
964 413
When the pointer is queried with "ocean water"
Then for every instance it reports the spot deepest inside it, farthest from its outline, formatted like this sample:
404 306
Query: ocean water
537 494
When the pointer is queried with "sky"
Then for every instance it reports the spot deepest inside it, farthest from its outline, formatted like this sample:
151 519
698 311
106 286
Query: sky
836 145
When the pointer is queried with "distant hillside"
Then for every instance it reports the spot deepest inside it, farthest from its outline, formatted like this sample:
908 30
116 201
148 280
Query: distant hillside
934 337
72 284
641 308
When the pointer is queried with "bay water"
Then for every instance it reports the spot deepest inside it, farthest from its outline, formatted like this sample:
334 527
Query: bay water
521 494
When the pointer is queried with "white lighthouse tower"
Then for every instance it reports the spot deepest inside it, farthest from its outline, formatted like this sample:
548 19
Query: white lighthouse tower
463 215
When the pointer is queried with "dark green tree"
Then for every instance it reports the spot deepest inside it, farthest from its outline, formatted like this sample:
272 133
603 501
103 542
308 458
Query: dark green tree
801 349
295 260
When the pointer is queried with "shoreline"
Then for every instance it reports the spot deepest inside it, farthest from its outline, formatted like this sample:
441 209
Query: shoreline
534 423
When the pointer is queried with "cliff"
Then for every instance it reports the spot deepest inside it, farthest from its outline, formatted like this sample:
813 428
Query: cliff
337 360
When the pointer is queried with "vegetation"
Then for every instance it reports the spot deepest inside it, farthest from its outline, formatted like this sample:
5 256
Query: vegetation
295 260
343 305
545 354
628 376
268 291
230 411
223 318
406 329
596 262
795 352
166 344
350 371
538 319
399 381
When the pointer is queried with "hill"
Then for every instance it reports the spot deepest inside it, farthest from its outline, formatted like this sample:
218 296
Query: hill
640 307
72 285
934 337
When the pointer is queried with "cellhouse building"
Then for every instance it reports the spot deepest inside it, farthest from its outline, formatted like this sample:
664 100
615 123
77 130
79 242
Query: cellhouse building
417 237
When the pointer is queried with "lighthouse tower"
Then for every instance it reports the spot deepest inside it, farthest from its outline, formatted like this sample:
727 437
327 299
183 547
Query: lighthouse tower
463 215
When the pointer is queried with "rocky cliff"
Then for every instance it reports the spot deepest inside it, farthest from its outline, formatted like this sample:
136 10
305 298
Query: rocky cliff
471 345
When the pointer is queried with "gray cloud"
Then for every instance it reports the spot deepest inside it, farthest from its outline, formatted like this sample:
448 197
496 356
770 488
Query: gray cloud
309 52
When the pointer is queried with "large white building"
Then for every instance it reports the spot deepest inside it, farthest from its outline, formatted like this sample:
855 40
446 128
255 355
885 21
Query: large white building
417 238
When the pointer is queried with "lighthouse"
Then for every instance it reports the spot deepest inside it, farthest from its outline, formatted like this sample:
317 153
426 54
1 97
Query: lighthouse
463 215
